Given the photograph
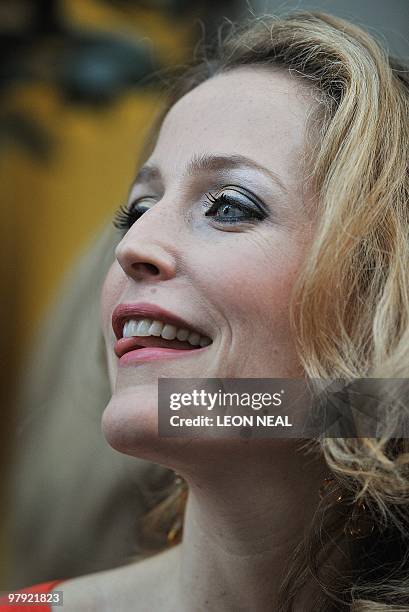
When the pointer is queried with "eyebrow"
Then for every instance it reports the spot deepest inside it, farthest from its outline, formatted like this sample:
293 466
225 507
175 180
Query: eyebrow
210 163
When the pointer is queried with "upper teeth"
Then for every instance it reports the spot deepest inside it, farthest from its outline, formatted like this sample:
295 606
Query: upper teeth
150 327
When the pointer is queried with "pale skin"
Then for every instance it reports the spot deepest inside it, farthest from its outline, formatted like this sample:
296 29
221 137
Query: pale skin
249 501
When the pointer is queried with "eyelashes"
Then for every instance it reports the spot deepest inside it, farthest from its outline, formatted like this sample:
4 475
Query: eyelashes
224 209
126 216
225 205
121 217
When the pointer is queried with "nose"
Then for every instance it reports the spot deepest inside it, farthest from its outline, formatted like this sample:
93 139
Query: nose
145 256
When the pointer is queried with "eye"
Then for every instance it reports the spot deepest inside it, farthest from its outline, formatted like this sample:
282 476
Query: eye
127 214
232 206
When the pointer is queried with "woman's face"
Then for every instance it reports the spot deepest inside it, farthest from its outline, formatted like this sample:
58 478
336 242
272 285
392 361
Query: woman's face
219 229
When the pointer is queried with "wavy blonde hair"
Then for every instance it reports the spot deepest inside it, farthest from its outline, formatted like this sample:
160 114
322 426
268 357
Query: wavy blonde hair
350 312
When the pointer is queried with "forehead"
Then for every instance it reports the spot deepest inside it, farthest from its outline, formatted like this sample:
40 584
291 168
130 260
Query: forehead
256 112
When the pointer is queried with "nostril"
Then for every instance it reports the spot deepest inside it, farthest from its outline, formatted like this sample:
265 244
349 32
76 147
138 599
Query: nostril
147 269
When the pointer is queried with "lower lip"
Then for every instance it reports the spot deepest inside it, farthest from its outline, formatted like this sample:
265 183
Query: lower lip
152 353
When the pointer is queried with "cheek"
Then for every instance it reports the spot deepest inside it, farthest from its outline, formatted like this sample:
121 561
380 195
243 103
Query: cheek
253 280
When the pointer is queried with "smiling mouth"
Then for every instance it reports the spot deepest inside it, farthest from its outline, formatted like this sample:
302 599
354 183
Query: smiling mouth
143 340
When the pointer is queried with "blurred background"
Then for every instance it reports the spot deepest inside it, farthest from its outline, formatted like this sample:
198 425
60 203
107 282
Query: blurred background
80 84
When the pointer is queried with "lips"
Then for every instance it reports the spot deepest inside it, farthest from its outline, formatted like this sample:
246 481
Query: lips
124 345
147 348
123 312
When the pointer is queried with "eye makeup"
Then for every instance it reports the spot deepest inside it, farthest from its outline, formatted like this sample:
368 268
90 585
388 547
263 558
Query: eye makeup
232 205
231 208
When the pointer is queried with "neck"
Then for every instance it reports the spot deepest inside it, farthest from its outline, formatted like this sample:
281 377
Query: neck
242 524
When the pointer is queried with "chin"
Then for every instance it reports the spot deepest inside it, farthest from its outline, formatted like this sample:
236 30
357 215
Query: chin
130 421
130 426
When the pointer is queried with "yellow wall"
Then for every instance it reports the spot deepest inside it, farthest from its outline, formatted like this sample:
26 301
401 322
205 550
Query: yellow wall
58 205
53 208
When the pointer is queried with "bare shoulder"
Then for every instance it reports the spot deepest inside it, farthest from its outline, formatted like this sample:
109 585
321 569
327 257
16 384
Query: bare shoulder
144 585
